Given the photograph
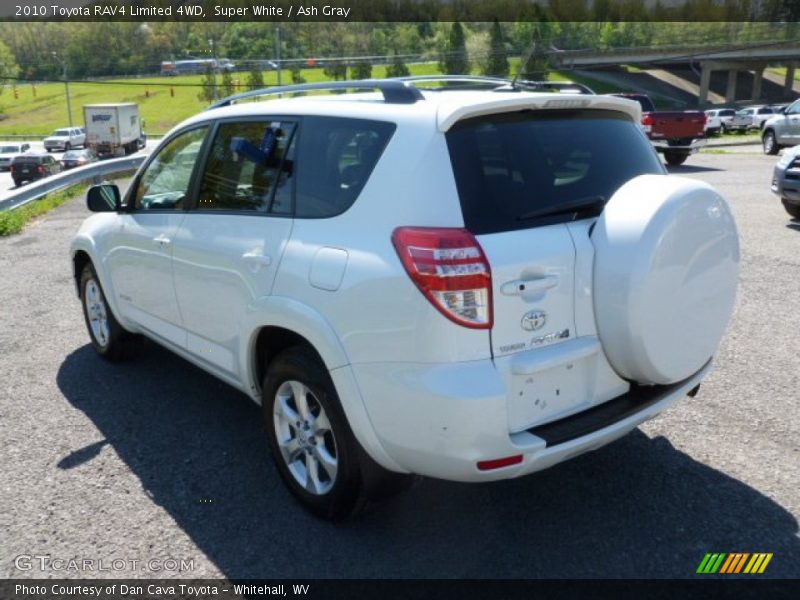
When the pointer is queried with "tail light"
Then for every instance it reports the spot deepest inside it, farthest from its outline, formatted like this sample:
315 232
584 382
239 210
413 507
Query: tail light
647 122
450 269
12 168
40 169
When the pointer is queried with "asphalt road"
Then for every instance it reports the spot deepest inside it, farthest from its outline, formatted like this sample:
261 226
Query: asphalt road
7 185
154 459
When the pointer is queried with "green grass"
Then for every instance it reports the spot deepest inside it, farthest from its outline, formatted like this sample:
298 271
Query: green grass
45 111
13 221
782 72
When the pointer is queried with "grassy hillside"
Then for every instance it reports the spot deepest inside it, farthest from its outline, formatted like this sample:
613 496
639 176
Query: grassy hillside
45 111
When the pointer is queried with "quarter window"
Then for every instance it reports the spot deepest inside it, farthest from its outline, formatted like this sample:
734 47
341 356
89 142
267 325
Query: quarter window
249 168
336 159
165 182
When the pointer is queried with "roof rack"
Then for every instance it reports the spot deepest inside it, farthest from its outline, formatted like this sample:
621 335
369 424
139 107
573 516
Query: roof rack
463 81
499 84
553 86
393 90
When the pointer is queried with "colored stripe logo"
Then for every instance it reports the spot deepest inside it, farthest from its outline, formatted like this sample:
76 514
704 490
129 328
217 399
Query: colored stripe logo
734 563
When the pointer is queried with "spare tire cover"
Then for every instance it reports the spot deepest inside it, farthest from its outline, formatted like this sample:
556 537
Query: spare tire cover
665 275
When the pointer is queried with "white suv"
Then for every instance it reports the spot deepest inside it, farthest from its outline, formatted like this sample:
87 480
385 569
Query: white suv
469 285
65 139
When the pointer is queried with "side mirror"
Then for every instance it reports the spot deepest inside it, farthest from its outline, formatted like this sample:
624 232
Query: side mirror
103 198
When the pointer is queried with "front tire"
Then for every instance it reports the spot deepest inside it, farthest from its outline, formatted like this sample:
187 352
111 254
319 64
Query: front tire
675 158
769 143
792 209
108 337
311 443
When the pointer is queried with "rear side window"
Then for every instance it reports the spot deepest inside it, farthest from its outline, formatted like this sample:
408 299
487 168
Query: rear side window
335 158
518 170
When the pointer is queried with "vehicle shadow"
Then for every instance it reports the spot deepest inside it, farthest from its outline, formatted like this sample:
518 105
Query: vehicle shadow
679 169
637 508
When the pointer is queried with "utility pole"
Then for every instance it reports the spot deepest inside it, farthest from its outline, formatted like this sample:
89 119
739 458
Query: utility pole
66 85
214 67
278 52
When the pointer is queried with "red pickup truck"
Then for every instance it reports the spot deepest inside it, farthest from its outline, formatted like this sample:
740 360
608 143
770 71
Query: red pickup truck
675 134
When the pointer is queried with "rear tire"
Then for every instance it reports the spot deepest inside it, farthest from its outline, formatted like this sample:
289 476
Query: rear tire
108 337
311 443
675 158
792 209
769 143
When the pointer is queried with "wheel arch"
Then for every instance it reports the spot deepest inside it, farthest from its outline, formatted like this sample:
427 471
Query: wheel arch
80 259
83 253
282 323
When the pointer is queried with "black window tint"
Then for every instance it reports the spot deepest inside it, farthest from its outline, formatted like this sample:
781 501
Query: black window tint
509 167
165 181
244 165
335 159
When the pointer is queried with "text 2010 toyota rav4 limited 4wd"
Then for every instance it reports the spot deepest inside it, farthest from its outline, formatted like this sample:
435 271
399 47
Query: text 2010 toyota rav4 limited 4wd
464 284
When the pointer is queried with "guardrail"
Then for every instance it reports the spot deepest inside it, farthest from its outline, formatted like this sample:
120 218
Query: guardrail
92 172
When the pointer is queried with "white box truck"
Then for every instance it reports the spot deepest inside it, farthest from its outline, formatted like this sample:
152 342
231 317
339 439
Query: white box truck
113 129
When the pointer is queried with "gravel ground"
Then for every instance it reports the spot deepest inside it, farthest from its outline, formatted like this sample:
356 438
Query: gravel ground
154 459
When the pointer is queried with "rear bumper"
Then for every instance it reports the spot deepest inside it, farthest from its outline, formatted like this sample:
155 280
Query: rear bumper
690 147
441 420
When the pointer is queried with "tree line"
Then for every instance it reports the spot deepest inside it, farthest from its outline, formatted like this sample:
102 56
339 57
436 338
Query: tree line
39 51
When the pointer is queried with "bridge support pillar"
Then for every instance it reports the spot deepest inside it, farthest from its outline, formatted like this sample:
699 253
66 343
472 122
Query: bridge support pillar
788 84
758 78
705 84
730 92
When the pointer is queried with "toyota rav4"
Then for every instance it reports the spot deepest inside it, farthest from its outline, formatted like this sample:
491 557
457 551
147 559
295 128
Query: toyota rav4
463 284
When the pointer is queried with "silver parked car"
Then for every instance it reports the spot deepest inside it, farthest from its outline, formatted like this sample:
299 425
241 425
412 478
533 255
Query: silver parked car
782 130
717 120
753 117
786 181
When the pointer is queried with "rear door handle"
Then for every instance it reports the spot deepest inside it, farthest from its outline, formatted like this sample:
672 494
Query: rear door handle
534 285
256 257
162 240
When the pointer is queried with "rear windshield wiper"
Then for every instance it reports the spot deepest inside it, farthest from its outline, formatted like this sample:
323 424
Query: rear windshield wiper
595 203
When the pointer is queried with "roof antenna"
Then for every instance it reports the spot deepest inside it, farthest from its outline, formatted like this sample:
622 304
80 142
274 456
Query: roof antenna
524 64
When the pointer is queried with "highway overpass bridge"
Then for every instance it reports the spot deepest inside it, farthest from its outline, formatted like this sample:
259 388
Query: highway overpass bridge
752 57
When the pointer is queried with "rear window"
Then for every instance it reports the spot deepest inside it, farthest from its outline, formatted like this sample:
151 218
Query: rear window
518 170
27 159
728 112
336 156
8 149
